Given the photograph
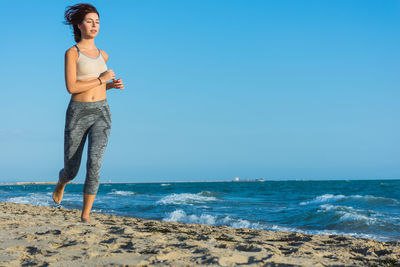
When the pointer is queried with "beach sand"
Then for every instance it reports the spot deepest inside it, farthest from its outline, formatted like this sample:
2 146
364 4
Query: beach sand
49 236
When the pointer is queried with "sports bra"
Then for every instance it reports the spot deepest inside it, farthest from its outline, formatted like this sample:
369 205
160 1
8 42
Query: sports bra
89 67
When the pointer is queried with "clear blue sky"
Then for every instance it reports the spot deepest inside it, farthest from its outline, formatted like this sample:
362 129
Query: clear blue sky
213 89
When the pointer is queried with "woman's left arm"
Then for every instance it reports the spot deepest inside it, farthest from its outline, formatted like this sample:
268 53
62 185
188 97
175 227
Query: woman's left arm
117 84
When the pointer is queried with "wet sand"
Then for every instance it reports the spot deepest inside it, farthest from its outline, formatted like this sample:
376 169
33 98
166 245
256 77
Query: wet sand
51 236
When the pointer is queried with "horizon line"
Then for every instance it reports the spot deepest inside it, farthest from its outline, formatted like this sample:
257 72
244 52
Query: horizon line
209 181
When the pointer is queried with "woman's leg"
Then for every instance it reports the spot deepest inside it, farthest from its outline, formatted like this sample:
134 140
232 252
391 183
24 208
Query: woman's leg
72 161
73 148
87 206
75 133
98 138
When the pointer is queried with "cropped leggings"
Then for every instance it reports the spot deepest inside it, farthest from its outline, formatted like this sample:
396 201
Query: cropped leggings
85 119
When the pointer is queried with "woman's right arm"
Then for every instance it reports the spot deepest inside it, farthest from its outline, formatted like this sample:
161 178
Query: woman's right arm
75 86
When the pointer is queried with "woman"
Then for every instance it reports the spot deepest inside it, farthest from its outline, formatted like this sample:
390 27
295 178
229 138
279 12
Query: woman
88 113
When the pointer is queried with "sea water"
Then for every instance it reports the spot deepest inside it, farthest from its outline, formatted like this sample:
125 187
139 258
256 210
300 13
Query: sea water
360 208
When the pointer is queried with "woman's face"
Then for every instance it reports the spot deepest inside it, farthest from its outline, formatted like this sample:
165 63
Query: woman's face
90 26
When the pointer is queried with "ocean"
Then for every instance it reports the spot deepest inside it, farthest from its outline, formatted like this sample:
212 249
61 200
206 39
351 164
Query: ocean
359 208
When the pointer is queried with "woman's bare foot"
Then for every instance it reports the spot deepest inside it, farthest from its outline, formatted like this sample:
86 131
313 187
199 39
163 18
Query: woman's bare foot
85 219
58 192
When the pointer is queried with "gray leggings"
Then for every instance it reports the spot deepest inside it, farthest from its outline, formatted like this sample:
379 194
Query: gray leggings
92 119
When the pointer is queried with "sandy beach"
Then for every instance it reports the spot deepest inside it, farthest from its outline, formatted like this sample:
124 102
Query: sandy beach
50 236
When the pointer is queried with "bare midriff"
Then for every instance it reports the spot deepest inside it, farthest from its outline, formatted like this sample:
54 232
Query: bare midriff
95 94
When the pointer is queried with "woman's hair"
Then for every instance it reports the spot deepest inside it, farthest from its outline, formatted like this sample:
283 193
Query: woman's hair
75 15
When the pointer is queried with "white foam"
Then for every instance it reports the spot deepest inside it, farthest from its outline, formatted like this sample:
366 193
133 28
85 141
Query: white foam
180 215
376 199
284 228
351 214
122 193
186 198
329 198
208 193
323 199
240 223
165 184
39 199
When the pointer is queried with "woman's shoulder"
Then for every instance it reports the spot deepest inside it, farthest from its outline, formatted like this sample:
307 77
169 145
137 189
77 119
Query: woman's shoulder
72 50
104 54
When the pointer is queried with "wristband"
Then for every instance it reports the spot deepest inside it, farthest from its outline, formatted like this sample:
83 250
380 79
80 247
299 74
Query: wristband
100 80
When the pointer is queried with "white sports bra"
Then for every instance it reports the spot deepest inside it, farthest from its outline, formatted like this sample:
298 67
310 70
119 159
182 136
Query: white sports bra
89 67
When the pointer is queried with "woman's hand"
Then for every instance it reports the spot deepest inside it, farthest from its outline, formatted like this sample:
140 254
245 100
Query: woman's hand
118 84
107 75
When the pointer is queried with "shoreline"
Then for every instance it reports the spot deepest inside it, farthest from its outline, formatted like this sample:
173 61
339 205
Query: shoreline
55 236
208 181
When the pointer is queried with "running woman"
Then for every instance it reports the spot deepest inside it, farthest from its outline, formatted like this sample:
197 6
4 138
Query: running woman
88 114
